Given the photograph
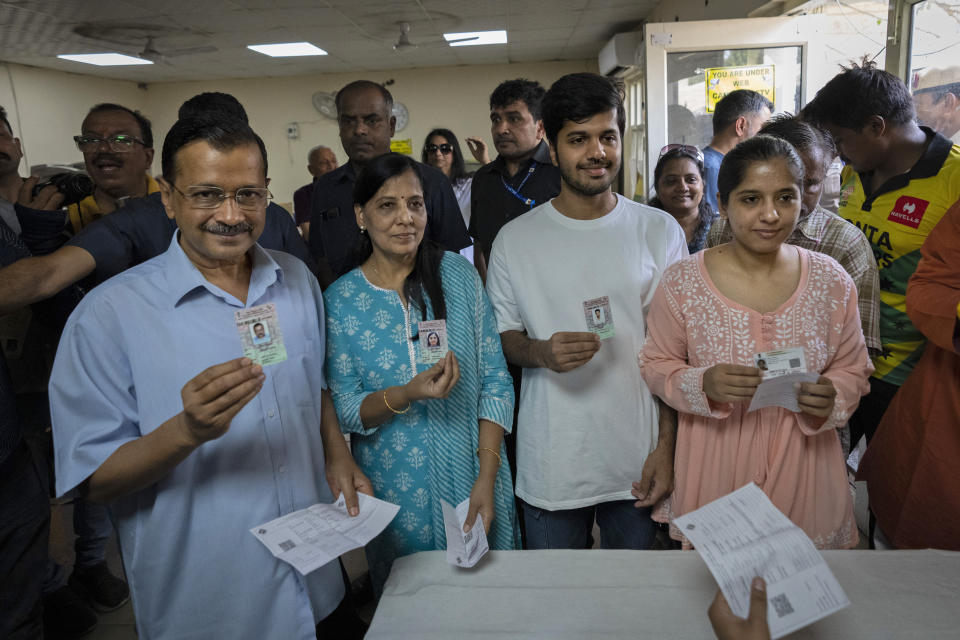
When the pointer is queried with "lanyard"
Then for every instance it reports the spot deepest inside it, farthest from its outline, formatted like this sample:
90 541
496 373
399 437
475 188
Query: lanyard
530 202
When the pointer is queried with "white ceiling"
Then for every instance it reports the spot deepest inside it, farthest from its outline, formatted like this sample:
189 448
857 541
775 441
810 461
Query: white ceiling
358 34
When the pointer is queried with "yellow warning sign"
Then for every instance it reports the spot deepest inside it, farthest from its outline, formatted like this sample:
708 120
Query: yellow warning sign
723 80
402 146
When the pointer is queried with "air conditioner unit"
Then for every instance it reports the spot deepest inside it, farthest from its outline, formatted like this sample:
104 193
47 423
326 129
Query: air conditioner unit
624 51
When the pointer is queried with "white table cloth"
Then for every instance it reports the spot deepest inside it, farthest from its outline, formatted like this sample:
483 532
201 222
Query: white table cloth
600 594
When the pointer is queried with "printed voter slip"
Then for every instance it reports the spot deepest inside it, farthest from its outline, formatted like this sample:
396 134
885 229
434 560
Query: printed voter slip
260 334
781 370
310 538
742 535
598 317
463 549
432 340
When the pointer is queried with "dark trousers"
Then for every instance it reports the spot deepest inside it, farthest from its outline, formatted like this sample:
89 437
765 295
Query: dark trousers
24 537
866 418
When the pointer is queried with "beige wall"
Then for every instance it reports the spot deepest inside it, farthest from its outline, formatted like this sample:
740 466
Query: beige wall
451 97
50 105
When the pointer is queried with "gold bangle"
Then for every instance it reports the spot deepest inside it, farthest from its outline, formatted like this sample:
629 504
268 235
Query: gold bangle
499 459
391 408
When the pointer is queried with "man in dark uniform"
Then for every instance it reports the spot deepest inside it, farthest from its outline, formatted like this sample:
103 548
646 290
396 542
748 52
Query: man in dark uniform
522 176
366 126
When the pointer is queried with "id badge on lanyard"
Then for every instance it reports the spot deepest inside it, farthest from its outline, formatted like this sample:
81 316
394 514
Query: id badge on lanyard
530 202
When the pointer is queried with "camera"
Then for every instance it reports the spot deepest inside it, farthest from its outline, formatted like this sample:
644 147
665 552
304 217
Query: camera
74 186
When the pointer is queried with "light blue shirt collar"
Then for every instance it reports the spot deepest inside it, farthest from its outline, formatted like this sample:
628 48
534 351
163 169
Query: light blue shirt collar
183 277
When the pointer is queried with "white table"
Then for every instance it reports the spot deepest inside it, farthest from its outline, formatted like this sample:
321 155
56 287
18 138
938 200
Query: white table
647 594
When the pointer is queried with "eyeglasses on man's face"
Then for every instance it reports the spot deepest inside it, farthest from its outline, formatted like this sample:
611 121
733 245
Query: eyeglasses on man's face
445 148
204 197
116 144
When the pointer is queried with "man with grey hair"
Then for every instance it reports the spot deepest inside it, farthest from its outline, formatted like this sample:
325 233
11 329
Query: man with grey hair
320 160
937 101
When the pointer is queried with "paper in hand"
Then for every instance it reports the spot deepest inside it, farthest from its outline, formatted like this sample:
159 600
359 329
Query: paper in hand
463 549
742 535
780 370
312 537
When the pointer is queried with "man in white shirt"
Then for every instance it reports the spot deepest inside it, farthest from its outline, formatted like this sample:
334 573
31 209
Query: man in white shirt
588 427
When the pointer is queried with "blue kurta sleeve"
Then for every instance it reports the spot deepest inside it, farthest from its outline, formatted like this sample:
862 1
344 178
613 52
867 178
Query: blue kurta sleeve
346 384
496 385
93 402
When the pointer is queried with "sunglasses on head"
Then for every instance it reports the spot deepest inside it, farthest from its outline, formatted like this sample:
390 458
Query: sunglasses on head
445 148
688 149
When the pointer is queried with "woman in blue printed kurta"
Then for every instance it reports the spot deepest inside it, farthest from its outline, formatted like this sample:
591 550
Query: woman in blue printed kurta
420 433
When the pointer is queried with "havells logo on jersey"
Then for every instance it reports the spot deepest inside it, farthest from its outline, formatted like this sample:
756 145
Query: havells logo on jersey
908 211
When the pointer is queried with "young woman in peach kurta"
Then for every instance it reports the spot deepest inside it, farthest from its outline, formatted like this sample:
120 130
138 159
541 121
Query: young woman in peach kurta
794 457
713 311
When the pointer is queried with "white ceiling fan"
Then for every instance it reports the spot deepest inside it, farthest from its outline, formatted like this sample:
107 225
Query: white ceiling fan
152 54
403 42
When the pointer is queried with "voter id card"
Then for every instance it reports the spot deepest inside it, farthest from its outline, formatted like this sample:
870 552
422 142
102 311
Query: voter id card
260 334
432 341
598 316
779 363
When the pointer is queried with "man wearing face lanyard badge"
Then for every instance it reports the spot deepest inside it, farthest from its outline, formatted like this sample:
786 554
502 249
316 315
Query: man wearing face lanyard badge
522 176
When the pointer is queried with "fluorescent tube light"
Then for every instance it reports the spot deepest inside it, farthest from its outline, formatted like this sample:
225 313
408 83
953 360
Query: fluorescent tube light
287 49
474 38
104 59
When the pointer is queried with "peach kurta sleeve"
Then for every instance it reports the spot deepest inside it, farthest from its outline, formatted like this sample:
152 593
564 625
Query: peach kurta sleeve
664 363
850 368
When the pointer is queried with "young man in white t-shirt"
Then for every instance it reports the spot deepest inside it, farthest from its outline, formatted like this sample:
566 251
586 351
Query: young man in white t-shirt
591 442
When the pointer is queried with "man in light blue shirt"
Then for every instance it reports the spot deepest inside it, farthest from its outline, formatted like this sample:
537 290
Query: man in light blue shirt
155 411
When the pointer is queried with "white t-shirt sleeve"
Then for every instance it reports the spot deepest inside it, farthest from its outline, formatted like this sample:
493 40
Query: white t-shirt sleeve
500 289
677 245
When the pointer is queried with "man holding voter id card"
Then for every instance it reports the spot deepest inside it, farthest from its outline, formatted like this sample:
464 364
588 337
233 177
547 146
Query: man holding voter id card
188 393
570 282
758 345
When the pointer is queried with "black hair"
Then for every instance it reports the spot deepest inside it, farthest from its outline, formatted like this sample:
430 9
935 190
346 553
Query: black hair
526 91
857 93
212 102
757 149
146 130
705 210
578 97
735 104
940 92
223 134
803 136
365 84
458 169
3 119
426 269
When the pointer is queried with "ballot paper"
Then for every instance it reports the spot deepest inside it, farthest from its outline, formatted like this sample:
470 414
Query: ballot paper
742 535
463 549
312 537
780 391
781 370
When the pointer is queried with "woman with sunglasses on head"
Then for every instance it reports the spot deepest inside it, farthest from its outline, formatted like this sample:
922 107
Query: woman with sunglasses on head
715 312
422 430
679 180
